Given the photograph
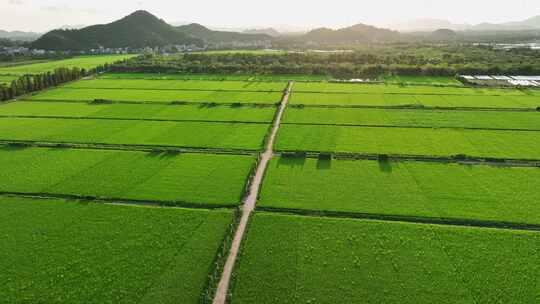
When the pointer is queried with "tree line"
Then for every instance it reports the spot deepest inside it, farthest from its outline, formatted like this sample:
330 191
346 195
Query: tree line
365 61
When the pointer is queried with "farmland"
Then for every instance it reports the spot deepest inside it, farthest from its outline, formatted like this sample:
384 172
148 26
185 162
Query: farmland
56 251
403 188
423 80
414 118
410 141
163 177
205 85
186 112
215 77
241 136
380 262
7 79
83 62
160 96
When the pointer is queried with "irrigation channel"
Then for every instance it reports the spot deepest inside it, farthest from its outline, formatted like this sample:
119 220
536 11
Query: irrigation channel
249 203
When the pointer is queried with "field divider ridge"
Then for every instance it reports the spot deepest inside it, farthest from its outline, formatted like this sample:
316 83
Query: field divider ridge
20 144
149 102
118 201
413 107
170 89
405 218
462 160
249 203
404 126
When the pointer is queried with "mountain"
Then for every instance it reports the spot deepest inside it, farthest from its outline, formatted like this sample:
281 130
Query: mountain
137 30
428 25
267 31
444 35
210 36
18 35
359 33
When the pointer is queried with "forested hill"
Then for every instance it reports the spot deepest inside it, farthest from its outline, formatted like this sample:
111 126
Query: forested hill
210 36
137 30
354 34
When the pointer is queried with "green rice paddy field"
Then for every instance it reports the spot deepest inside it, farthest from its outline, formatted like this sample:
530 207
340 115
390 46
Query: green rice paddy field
200 179
178 85
56 251
410 141
416 189
242 136
83 62
162 96
290 259
423 80
215 77
411 100
187 112
413 118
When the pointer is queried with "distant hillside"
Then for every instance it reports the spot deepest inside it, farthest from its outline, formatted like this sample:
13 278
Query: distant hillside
267 31
137 30
210 36
18 35
428 25
359 33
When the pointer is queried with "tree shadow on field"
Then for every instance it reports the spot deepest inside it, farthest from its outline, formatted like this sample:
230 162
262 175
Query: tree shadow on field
385 166
12 147
292 162
324 162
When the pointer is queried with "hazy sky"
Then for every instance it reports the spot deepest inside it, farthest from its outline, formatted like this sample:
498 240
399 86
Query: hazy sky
43 15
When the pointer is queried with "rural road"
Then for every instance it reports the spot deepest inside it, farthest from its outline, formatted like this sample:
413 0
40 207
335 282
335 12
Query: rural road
249 204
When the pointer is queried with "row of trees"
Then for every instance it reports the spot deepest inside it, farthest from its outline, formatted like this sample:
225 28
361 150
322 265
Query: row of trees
32 83
364 62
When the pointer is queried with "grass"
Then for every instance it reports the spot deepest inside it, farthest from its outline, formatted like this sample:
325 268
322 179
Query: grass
83 62
416 189
413 118
191 112
149 133
215 77
362 88
56 251
410 100
422 80
6 79
410 141
163 96
182 178
178 85
318 260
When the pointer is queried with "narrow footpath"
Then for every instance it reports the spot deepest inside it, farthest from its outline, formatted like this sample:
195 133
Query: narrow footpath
249 204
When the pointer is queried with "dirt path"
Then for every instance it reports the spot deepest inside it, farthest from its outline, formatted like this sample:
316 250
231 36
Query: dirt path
249 205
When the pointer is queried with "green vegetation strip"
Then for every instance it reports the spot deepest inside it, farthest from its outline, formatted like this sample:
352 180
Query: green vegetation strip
56 251
413 118
168 96
141 84
522 102
412 189
519 145
188 112
283 258
169 178
215 135
83 62
328 87
215 77
423 80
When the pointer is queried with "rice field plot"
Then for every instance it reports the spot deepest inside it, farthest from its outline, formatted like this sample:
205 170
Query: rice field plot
407 188
216 77
83 62
203 85
193 179
362 88
430 142
186 112
159 96
410 100
413 118
56 251
284 257
423 80
241 136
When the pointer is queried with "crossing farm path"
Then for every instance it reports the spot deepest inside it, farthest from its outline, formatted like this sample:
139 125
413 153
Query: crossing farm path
249 203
